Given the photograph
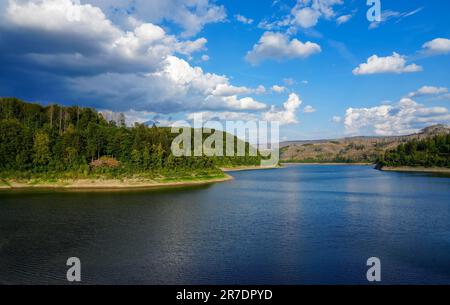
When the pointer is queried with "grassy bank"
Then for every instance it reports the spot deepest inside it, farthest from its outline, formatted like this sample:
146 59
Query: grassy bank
105 183
77 180
116 179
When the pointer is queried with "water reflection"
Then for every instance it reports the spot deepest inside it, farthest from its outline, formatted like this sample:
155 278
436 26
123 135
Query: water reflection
297 225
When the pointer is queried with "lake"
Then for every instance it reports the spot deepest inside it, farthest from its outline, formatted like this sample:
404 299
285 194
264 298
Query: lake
304 224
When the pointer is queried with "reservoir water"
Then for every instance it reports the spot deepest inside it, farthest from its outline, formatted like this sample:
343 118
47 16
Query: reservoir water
296 225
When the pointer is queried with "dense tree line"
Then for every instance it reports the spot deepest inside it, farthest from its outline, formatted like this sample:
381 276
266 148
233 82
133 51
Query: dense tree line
430 152
39 139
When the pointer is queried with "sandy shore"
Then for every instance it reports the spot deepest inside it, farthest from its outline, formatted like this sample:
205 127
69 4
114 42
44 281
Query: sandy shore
248 168
116 184
109 184
417 169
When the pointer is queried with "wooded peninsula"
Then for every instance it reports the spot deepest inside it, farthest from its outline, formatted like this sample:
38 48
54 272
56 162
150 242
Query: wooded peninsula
55 145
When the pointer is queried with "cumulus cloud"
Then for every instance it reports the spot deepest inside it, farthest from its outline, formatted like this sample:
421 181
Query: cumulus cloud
205 57
389 64
278 89
309 109
228 90
404 117
81 55
437 46
42 33
278 46
176 87
222 116
428 90
89 60
286 115
305 14
306 17
246 103
243 19
190 15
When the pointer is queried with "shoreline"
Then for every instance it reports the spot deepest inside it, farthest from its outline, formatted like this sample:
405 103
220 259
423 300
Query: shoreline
442 170
101 184
328 163
109 184
247 168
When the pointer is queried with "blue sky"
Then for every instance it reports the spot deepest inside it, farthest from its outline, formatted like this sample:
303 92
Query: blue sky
327 71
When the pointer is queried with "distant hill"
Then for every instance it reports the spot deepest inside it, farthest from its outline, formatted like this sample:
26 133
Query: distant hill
354 149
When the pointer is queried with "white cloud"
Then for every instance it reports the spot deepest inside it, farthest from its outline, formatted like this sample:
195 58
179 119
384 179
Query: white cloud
343 19
176 87
181 73
336 119
223 116
59 16
228 90
110 68
306 17
428 90
277 46
278 89
404 117
243 19
437 46
309 109
205 57
389 64
260 90
287 114
246 103
100 45
305 14
190 15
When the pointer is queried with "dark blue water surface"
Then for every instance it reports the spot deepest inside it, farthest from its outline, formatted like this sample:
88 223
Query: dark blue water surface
297 225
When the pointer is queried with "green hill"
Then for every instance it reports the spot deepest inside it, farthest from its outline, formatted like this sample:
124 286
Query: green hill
75 142
430 152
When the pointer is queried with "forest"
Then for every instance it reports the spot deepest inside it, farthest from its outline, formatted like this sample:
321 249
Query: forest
430 152
73 141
